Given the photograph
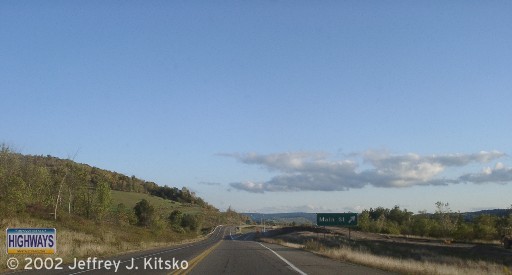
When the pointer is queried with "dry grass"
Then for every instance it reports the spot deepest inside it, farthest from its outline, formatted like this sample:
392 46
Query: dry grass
73 244
413 267
283 243
405 266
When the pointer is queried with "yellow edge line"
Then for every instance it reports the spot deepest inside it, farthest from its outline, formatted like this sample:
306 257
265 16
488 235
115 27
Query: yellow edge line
196 260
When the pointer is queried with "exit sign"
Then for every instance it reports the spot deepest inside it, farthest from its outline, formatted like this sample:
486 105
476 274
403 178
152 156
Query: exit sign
336 219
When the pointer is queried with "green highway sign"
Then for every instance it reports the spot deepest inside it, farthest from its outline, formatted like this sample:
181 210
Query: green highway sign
336 219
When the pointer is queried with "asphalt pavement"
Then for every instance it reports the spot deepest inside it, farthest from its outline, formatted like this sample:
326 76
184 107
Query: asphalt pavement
239 254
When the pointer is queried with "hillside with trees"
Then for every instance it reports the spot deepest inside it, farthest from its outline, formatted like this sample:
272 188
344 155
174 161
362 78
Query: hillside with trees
46 184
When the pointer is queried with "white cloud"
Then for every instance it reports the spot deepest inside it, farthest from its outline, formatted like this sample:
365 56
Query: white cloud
304 171
498 174
249 186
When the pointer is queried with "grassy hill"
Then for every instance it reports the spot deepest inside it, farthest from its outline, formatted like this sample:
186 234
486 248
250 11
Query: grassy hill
129 199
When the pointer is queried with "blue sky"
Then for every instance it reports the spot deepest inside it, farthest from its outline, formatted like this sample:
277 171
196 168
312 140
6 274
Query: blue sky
270 105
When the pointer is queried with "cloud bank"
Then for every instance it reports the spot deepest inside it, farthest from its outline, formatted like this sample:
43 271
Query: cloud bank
307 171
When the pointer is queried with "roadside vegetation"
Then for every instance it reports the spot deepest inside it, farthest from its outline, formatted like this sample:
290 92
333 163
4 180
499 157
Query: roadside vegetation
98 212
444 223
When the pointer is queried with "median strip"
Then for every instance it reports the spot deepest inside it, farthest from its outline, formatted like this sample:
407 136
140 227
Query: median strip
197 260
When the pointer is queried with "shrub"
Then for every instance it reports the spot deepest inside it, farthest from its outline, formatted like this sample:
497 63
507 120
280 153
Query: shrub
192 222
144 212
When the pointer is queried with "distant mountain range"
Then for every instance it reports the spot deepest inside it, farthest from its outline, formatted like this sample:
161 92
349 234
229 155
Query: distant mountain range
494 212
310 218
297 217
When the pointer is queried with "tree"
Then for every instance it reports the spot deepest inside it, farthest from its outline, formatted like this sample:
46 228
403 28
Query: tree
381 221
192 222
175 218
43 187
144 212
464 231
80 192
421 225
186 196
364 221
103 200
13 189
15 198
484 227
375 214
444 216
122 214
399 216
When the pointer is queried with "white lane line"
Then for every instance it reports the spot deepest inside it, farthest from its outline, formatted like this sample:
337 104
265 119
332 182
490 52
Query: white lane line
286 261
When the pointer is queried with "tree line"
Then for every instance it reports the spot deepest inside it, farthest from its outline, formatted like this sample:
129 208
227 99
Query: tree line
444 223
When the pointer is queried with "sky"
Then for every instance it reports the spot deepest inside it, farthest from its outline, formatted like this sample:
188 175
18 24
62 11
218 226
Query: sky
270 106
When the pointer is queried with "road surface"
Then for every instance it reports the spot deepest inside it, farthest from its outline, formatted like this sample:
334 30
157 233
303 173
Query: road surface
223 252
239 254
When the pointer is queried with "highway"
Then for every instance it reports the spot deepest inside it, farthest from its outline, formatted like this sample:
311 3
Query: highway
223 252
239 254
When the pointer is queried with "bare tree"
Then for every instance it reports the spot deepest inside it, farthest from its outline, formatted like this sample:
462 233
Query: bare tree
60 189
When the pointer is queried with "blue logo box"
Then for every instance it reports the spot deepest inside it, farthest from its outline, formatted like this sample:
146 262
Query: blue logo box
31 240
